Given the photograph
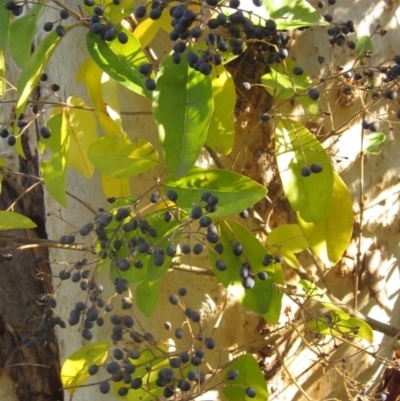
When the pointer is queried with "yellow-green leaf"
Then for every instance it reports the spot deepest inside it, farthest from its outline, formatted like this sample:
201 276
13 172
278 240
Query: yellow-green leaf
114 187
336 327
363 46
116 13
221 131
92 76
120 158
82 127
12 221
330 238
54 168
296 147
120 61
146 31
287 239
74 371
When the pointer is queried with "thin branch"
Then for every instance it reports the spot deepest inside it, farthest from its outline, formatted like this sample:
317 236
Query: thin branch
192 269
39 243
25 364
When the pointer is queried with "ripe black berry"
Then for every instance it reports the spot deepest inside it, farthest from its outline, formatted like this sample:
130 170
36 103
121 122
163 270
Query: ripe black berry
262 276
316 168
4 133
265 117
174 299
196 212
297 70
104 387
305 171
209 343
250 392
374 126
48 26
64 14
179 333
232 375
9 5
150 84
140 12
248 282
45 132
391 94
221 265
11 140
60 30
123 38
313 94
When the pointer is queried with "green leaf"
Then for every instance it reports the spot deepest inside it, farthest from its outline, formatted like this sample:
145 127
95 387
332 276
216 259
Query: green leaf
372 142
363 46
260 298
82 127
120 61
12 221
292 14
221 131
250 375
316 293
182 107
329 238
74 371
337 327
295 148
147 294
281 83
287 239
30 75
234 191
22 32
120 158
54 170
5 22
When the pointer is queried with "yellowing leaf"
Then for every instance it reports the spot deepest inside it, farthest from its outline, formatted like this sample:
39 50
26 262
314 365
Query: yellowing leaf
221 131
82 127
91 75
330 238
54 169
120 158
146 31
288 239
74 371
12 221
114 187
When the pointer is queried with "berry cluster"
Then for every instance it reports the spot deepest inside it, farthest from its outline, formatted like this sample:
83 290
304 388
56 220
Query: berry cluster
134 368
224 34
101 26
42 333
